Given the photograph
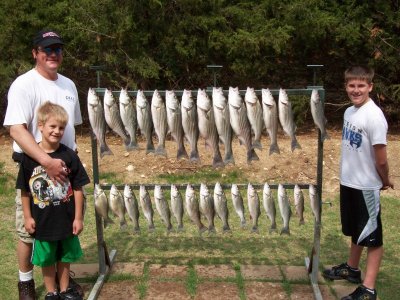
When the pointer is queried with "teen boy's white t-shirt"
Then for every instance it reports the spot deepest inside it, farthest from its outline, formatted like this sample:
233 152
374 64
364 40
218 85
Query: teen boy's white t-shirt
29 91
363 127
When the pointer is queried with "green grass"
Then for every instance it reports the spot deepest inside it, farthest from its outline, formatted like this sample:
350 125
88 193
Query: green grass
189 248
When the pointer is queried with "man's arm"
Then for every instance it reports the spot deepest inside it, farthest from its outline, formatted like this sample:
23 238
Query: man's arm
54 167
382 166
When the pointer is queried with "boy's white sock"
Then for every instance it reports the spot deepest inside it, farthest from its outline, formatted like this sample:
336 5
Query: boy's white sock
25 276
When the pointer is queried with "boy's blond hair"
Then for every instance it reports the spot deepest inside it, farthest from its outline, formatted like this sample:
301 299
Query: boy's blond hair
359 72
48 109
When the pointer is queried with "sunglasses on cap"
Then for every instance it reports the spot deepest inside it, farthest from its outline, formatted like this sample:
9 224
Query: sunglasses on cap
50 50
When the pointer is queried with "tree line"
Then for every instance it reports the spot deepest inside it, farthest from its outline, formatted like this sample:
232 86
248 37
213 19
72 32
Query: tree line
162 44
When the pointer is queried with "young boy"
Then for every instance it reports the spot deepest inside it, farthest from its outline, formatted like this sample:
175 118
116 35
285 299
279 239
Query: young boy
364 171
53 212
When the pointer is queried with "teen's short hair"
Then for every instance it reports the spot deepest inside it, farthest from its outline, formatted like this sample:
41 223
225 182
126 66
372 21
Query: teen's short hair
359 72
48 109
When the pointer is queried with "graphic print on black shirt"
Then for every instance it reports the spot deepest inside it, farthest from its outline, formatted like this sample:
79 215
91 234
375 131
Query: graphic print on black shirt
45 192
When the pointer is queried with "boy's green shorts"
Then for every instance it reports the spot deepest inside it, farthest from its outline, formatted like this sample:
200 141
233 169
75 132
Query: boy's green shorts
46 253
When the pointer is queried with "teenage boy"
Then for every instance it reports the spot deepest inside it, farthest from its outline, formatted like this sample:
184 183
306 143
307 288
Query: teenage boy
364 171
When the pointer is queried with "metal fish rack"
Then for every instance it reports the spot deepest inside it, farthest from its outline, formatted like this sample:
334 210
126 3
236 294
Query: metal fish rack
312 263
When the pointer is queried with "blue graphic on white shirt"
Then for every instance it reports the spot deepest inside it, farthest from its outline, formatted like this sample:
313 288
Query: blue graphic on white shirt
352 134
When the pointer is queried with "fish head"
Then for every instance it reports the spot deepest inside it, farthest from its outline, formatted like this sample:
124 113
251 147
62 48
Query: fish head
124 97
267 97
250 97
203 101
93 98
283 97
187 100
312 190
234 98
234 189
156 100
281 191
171 100
127 191
267 189
141 100
218 98
315 96
114 191
109 99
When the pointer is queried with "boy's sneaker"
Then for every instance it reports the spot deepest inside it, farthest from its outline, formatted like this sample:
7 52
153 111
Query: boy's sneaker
26 290
72 284
362 293
343 271
70 294
52 296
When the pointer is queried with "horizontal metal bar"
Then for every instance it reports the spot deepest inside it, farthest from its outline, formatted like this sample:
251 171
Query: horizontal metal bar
179 93
225 186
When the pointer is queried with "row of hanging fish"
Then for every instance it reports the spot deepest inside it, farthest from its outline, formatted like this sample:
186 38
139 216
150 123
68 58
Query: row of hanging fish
215 120
207 204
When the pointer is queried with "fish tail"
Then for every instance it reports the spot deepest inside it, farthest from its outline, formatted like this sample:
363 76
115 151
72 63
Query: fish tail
132 146
252 155
226 228
151 227
180 227
217 161
122 225
136 229
257 145
295 144
105 150
229 158
194 156
107 222
243 223
149 146
181 153
285 230
211 228
325 136
161 151
274 148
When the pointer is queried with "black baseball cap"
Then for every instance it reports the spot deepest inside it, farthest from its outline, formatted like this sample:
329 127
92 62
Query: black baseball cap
45 38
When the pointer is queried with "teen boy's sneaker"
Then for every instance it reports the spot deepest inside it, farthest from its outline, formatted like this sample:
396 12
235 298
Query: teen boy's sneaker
70 294
26 290
343 271
362 293
52 296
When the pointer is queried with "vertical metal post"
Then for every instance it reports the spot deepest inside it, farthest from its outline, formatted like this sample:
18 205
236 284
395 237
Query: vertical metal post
95 165
214 69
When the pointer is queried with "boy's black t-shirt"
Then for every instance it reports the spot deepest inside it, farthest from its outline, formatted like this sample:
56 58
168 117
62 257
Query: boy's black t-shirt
52 206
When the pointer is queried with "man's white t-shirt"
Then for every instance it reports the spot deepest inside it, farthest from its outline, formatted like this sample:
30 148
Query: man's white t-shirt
29 91
363 127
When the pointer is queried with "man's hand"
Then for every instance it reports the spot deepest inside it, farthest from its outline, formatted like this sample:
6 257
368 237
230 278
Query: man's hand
30 225
56 170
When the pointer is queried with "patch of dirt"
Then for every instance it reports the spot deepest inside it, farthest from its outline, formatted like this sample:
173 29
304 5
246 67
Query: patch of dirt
299 166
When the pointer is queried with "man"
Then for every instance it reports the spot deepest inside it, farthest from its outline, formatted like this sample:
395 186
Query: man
38 85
